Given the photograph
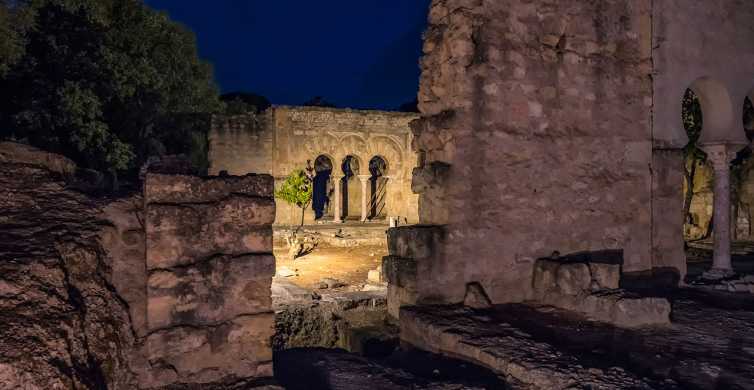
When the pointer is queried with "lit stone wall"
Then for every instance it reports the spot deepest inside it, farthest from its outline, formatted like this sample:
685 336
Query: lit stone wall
210 266
537 136
283 138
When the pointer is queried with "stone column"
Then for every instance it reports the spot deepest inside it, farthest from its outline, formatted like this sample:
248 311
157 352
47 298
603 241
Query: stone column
364 196
721 155
338 198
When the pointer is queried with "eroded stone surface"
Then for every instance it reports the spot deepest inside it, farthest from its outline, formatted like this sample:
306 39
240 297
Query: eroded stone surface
592 289
161 188
506 349
62 325
234 226
209 256
709 345
239 348
210 292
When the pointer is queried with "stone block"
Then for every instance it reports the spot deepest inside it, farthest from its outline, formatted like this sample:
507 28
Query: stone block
573 279
415 242
16 153
476 297
210 292
398 297
399 271
160 188
181 234
637 312
239 348
545 277
606 276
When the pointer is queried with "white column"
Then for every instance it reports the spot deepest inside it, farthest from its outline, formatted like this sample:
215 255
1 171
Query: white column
337 201
364 196
721 155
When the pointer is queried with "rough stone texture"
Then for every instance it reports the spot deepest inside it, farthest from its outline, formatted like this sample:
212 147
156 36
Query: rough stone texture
234 226
401 276
412 252
521 101
329 319
283 138
62 323
209 292
554 126
475 297
161 188
507 350
16 153
548 345
124 244
591 289
209 257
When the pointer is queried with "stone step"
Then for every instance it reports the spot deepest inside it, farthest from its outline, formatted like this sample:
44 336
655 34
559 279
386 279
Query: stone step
509 350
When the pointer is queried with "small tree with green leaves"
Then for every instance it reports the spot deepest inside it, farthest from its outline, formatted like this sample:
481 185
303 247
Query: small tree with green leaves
297 190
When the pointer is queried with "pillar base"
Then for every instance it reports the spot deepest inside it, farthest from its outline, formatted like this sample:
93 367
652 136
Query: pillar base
718 273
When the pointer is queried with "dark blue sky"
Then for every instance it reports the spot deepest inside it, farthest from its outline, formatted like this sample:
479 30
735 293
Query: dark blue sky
354 53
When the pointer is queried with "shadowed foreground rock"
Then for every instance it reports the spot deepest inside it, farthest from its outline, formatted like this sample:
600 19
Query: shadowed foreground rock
167 291
62 324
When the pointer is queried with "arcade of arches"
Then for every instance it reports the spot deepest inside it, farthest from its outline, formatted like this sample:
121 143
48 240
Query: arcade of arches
362 159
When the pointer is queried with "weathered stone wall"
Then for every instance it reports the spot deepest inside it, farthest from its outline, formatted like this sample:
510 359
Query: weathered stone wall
168 288
62 324
537 137
284 138
241 144
210 266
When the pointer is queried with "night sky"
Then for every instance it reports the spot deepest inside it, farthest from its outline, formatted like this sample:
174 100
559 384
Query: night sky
354 53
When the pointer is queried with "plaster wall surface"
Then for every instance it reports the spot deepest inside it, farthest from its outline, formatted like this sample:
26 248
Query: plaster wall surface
284 138
701 40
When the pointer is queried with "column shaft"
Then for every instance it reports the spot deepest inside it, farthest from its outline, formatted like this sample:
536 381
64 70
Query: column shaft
364 197
337 201
721 258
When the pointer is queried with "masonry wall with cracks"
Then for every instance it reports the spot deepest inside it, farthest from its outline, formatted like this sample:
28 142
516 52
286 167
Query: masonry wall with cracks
554 127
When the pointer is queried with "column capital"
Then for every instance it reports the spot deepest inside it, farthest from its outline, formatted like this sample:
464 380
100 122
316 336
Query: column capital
364 178
721 154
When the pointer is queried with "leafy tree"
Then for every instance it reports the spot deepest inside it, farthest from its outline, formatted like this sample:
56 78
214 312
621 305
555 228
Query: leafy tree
318 101
691 114
243 102
412 106
297 190
105 82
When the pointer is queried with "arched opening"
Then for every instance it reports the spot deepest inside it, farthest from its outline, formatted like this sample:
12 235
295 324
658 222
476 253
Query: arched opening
377 187
742 181
697 184
350 188
713 212
322 188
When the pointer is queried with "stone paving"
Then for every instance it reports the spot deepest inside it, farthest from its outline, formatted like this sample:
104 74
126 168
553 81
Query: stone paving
710 344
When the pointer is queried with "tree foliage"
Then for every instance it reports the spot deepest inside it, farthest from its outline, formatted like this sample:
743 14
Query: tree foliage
105 82
244 102
297 189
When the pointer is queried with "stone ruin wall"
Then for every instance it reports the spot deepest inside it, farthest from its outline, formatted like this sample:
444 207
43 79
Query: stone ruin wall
210 266
283 138
167 287
537 137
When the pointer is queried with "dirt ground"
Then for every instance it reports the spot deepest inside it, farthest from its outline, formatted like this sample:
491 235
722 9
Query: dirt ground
349 265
